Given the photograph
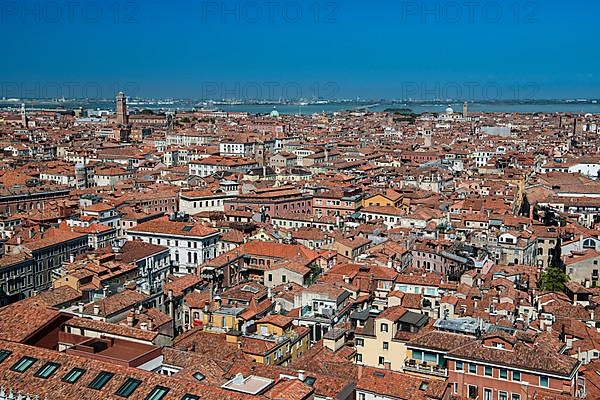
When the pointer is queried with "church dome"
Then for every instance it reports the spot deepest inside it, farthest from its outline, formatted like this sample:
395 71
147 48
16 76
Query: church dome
274 113
449 110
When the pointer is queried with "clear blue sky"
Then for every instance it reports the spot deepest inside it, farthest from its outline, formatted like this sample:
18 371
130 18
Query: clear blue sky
346 48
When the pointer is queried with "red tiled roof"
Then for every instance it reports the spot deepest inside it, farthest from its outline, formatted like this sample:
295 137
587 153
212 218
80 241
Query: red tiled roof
166 227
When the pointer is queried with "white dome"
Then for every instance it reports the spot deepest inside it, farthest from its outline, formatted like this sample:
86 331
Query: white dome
274 113
449 110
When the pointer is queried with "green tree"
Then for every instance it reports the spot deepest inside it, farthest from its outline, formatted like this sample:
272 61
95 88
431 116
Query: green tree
553 279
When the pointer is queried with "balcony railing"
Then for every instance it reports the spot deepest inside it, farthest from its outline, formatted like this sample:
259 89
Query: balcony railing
424 368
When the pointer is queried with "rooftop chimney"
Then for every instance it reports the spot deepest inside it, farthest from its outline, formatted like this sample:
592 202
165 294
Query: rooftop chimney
144 326
301 375
238 379
130 319
96 309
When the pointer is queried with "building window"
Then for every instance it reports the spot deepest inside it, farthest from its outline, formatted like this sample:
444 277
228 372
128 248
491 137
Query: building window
503 373
386 345
430 357
360 342
460 366
472 392
472 368
544 381
384 327
358 357
381 360
417 355
47 370
589 244
361 396
199 376
515 396
489 371
157 393
100 380
23 364
516 376
128 387
73 375
4 355
487 394
502 396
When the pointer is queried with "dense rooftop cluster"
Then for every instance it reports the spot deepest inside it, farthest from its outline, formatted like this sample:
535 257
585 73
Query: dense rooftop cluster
354 255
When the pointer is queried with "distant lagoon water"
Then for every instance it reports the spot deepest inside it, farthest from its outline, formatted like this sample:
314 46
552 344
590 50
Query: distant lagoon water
418 108
294 109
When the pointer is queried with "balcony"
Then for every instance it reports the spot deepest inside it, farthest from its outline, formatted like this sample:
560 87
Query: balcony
422 367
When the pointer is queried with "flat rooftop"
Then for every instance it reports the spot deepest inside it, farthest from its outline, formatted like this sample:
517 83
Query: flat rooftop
250 385
118 351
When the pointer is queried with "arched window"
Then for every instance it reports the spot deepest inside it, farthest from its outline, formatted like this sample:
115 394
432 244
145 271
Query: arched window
589 244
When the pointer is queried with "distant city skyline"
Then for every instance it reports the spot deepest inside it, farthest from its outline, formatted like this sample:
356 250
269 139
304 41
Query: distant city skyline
333 50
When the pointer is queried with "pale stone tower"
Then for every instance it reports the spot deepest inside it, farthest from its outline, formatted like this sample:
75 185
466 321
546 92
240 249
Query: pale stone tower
24 119
427 136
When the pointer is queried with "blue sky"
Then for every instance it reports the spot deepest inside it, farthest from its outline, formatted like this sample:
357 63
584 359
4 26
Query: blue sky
278 48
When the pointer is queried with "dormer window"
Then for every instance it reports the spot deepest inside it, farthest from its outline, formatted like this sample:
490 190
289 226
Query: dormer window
384 327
